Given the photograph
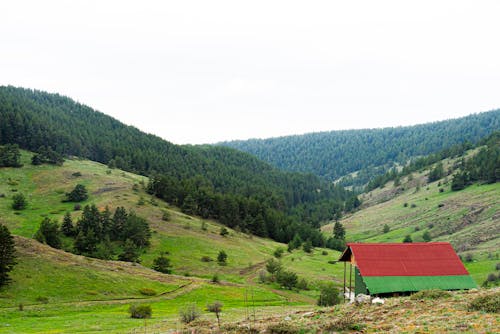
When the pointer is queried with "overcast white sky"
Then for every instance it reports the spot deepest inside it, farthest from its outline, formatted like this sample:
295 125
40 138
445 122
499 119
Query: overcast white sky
206 71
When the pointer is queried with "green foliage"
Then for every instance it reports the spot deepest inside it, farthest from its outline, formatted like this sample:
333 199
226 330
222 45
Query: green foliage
436 173
283 328
78 194
345 322
386 228
130 252
215 278
307 246
329 295
162 264
222 258
278 252
408 239
490 304
273 267
430 294
67 227
338 231
147 292
336 244
295 243
7 254
10 156
140 311
223 231
368 150
19 202
215 307
48 233
302 284
165 216
189 313
426 236
288 279
47 155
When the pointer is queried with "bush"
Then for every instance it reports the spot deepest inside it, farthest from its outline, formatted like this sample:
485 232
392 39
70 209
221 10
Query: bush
19 202
430 294
140 311
283 328
329 295
189 313
147 292
223 231
302 284
215 307
386 228
162 264
278 253
78 194
48 233
288 279
43 300
346 322
408 238
206 258
490 304
324 252
215 278
165 216
222 258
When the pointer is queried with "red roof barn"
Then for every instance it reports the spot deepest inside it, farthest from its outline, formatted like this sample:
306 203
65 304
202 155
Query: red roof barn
403 267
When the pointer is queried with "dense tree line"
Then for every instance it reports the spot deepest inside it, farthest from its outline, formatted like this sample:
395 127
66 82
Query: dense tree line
334 154
10 156
99 234
218 182
482 167
419 164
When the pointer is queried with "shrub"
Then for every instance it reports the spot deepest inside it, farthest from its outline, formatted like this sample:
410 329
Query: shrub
497 266
206 258
189 313
162 264
282 328
77 174
426 236
77 207
165 216
490 303
278 253
223 231
408 238
469 257
413 205
405 205
43 300
430 294
48 233
324 252
345 322
222 258
19 202
329 295
147 292
78 194
215 278
140 311
302 284
386 228
273 266
288 279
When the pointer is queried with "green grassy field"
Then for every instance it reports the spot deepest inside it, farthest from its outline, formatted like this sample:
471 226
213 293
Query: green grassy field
469 219
64 293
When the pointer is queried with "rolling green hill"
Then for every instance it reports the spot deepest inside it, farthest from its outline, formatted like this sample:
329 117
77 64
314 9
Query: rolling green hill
469 219
63 292
369 152
214 182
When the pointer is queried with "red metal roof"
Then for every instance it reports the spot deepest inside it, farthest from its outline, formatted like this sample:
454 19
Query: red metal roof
405 259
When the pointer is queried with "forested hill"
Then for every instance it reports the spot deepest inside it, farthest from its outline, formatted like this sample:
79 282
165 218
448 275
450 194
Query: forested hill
213 182
337 153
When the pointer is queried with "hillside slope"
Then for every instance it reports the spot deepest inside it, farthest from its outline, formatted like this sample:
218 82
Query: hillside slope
469 219
334 154
214 182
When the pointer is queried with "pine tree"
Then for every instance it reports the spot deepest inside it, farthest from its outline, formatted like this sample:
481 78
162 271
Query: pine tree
339 231
7 254
67 227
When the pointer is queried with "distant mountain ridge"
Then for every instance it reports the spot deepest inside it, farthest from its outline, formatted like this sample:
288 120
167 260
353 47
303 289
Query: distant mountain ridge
334 154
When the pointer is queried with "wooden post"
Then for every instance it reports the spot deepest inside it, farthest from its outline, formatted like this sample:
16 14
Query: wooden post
350 280
345 268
